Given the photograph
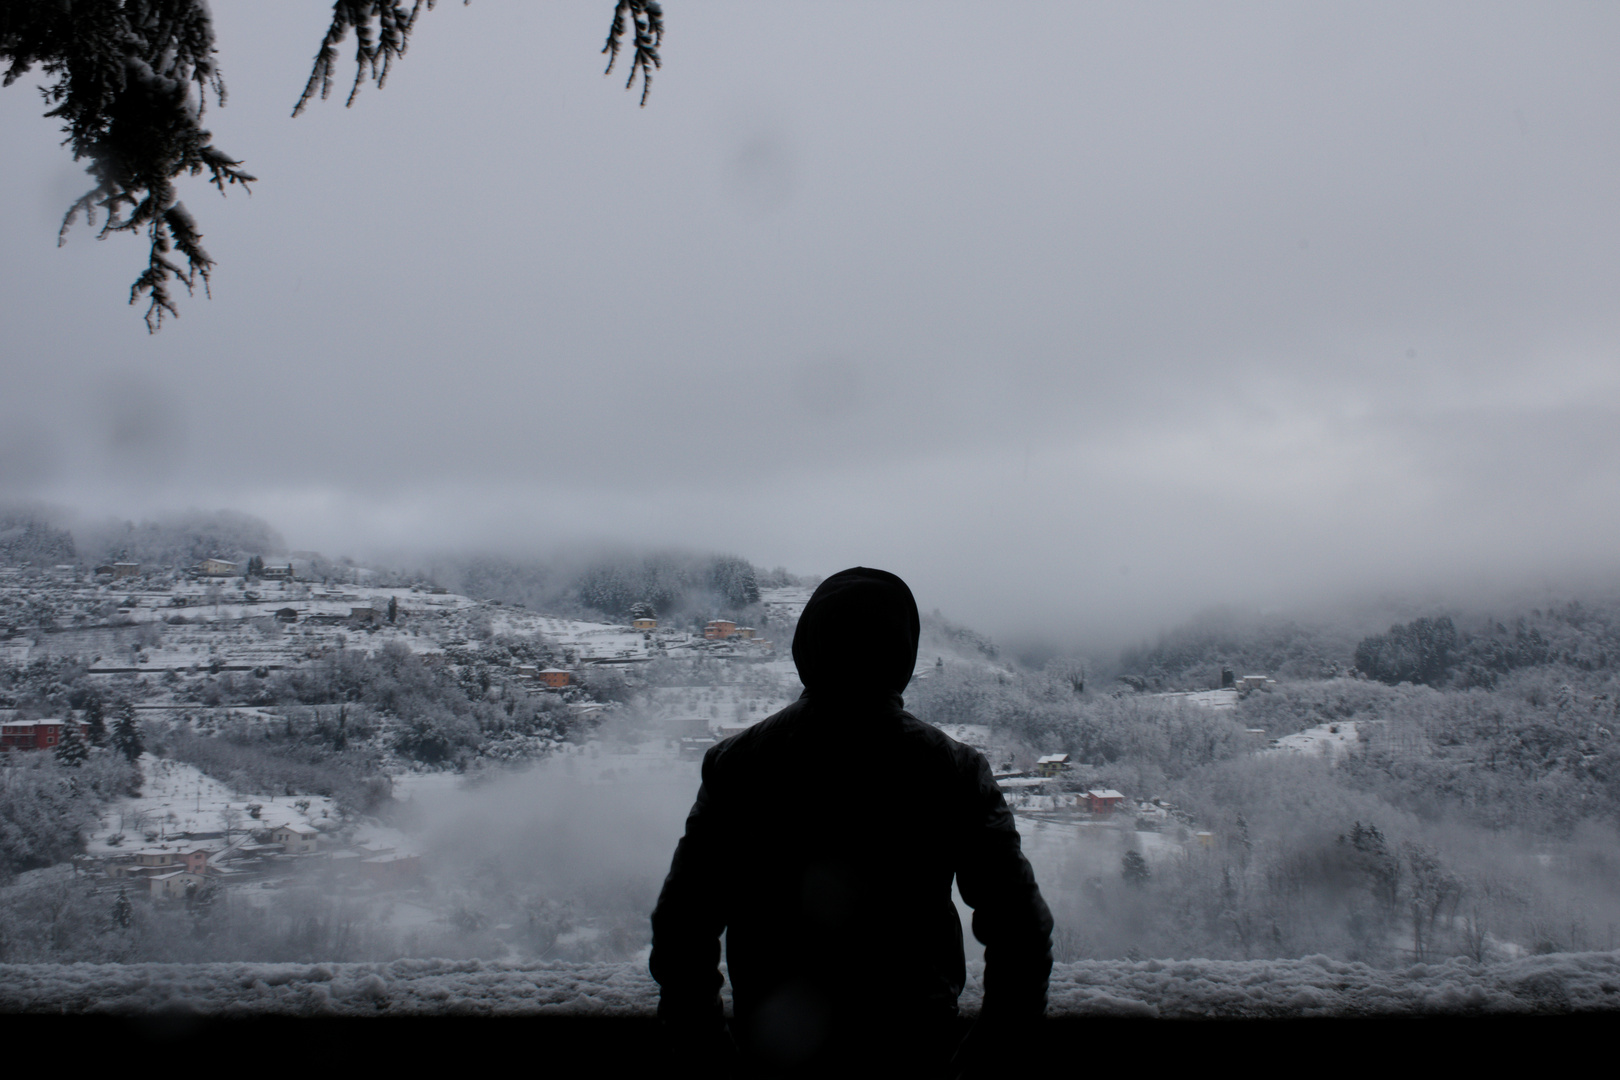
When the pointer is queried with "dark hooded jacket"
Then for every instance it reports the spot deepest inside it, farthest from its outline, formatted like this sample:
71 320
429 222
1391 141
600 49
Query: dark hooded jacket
824 841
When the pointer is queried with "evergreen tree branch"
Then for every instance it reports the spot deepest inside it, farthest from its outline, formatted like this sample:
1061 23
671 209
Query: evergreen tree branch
130 83
375 49
648 19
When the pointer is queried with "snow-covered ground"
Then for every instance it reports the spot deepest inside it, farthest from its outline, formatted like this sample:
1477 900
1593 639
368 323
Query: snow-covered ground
733 704
783 606
1206 699
178 798
1323 740
1314 986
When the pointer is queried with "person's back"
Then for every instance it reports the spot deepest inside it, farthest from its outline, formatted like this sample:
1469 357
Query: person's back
824 842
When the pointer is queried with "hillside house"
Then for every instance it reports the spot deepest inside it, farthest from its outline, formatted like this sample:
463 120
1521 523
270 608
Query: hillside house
146 864
1050 765
393 869
126 570
196 859
645 625
34 734
746 633
153 862
175 886
216 568
554 678
364 614
695 746
295 838
1103 800
1256 682
277 573
719 630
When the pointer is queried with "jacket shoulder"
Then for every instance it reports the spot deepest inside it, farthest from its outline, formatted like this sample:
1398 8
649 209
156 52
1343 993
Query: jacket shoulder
959 756
748 742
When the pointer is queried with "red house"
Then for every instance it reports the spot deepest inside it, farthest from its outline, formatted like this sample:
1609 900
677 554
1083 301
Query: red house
719 629
1103 800
555 678
33 734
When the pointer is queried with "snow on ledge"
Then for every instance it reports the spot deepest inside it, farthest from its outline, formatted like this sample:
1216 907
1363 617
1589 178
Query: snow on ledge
1314 986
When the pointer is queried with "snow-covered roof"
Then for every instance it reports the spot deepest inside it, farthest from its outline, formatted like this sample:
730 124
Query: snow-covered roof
1052 759
299 829
1104 793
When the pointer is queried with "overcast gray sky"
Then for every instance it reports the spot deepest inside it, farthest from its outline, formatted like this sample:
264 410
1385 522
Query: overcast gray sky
1079 317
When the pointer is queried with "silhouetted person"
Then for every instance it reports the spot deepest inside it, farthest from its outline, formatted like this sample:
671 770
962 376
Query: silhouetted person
823 843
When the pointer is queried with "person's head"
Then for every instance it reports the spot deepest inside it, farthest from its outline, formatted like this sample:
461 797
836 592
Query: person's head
858 635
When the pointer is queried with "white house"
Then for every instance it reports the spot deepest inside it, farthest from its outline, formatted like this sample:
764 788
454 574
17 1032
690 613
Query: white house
296 838
174 886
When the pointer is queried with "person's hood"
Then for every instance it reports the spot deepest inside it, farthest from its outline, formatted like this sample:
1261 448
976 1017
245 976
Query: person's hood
858 635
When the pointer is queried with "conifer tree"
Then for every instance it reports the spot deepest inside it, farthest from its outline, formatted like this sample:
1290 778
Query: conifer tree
126 733
1134 868
95 714
123 912
71 751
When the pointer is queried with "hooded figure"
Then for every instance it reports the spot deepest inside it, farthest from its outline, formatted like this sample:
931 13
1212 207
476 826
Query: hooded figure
823 844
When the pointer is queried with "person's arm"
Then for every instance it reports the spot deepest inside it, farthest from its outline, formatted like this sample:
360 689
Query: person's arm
689 919
1009 915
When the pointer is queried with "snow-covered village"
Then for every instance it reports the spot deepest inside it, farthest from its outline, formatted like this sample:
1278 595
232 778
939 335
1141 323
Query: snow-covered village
257 759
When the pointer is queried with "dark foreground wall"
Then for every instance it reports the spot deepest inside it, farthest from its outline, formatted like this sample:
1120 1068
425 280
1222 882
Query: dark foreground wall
1129 1017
